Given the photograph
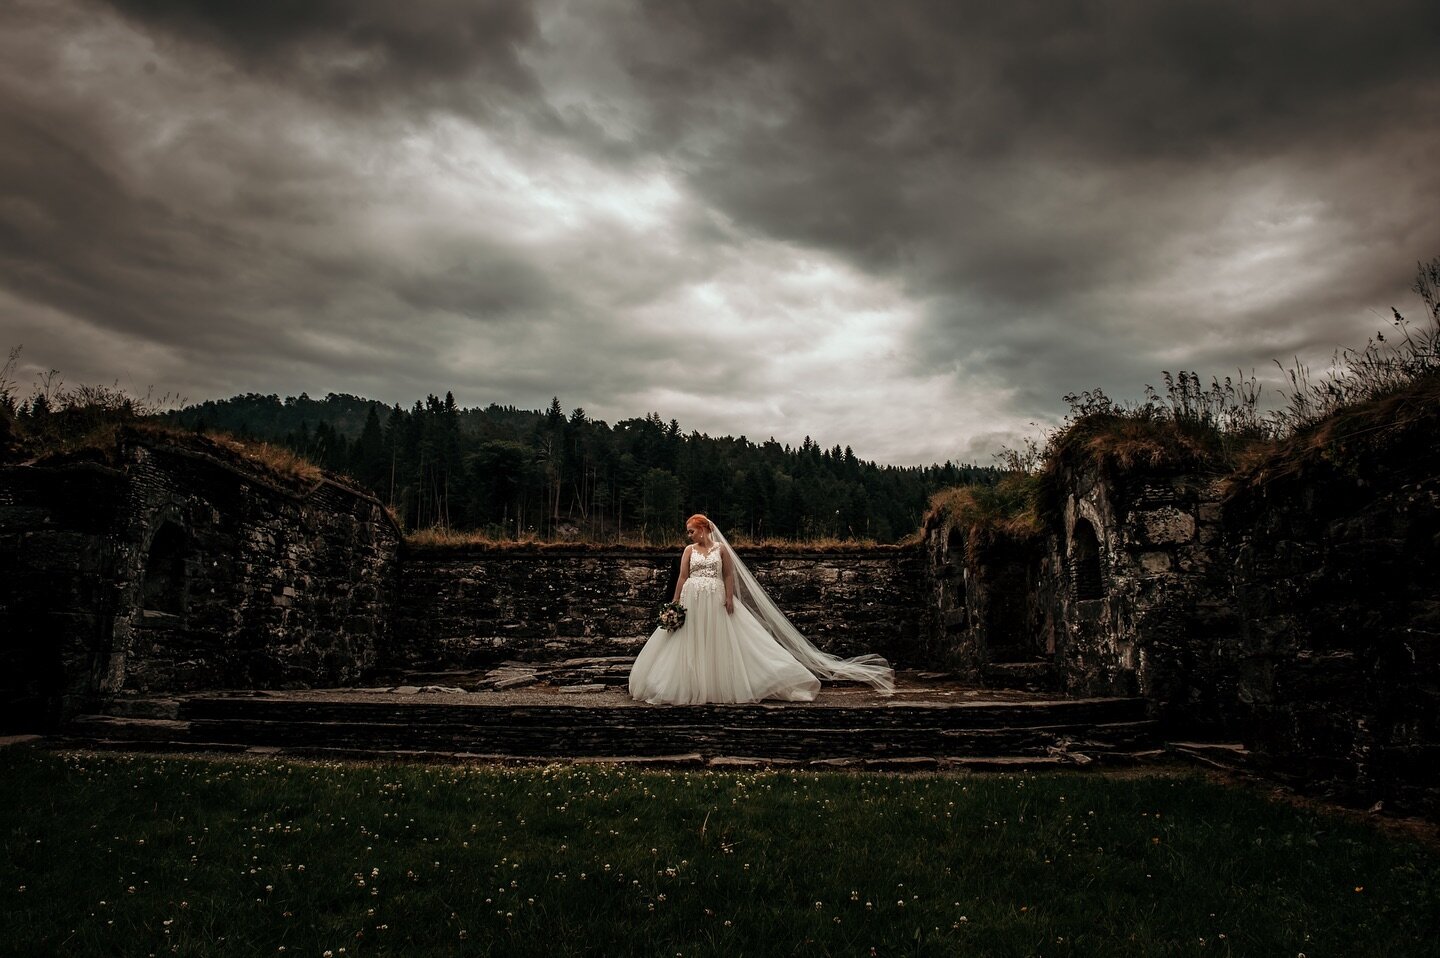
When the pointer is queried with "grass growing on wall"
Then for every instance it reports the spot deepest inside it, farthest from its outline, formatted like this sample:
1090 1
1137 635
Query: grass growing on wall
1351 437
987 513
438 537
124 855
61 423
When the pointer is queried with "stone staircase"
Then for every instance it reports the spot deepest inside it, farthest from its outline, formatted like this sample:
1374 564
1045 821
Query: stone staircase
1031 676
937 726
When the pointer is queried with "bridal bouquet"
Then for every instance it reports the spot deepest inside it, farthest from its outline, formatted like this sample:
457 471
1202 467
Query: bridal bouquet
672 616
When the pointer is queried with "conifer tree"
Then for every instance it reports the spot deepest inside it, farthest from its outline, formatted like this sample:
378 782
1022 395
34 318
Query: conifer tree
508 471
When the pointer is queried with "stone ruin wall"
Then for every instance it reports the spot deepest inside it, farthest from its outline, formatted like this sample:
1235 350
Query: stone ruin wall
984 610
471 607
1301 617
1154 626
56 563
1115 605
1337 574
180 571
280 587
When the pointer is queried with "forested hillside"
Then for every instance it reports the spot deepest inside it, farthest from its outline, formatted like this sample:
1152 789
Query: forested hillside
510 472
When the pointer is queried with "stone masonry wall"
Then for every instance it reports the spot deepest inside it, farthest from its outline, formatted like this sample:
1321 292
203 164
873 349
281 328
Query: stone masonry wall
954 626
475 606
181 570
1338 578
57 598
1301 614
1165 605
280 587
1295 608
983 600
1134 612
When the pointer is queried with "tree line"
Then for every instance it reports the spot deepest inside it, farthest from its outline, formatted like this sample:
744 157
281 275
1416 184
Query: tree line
512 473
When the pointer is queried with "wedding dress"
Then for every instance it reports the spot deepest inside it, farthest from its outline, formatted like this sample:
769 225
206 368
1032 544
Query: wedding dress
751 654
716 656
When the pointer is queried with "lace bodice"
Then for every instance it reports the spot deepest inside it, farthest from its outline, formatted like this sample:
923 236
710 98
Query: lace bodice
704 566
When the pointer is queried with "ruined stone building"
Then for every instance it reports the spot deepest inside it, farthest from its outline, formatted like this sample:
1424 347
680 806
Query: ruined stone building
1293 605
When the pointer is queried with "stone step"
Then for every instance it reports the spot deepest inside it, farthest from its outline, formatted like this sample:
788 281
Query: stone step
128 728
1229 756
158 707
1076 731
611 669
992 747
411 713
893 763
1026 676
647 739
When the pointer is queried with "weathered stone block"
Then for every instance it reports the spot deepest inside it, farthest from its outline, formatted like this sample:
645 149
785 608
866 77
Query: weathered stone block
1167 526
1156 562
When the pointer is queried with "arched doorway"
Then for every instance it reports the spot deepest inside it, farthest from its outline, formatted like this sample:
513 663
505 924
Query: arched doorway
164 587
1086 579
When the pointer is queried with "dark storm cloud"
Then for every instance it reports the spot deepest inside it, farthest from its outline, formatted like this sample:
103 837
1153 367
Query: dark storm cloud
74 235
362 52
1185 80
229 222
1020 159
789 217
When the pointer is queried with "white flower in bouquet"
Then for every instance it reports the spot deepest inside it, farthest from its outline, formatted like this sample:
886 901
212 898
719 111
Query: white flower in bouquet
672 616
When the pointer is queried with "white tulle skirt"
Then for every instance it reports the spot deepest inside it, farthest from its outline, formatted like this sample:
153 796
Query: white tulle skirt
717 656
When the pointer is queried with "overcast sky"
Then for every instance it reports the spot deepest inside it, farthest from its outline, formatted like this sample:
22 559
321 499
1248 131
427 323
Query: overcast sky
906 227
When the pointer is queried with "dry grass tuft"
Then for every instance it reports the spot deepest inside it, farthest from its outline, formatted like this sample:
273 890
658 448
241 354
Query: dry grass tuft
818 544
1118 443
277 460
1347 438
437 537
440 537
97 442
104 442
60 424
987 514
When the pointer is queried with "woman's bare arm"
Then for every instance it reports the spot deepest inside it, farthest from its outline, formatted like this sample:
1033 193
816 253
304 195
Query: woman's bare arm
684 573
728 568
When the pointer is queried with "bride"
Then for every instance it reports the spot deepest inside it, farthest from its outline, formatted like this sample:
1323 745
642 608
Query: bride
735 645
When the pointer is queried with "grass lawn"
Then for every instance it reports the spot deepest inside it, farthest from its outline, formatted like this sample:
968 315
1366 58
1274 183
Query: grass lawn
109 854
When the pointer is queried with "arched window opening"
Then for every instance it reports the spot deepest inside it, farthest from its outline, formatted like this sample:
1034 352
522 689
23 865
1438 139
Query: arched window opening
1085 578
164 589
955 548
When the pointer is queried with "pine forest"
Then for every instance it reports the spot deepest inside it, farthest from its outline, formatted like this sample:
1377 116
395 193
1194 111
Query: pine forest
508 473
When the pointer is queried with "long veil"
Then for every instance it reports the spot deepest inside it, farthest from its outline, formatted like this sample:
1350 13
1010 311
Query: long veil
868 668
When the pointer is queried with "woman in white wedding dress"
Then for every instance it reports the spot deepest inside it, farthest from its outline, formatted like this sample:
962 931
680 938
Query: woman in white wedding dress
735 645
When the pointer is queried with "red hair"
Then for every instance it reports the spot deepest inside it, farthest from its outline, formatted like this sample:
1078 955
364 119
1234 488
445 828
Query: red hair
698 520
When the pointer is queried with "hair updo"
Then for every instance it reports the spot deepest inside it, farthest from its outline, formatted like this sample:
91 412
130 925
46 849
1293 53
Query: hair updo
698 519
